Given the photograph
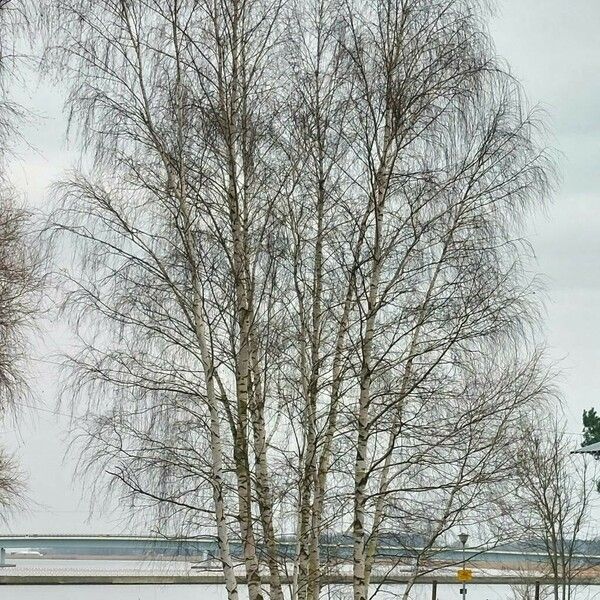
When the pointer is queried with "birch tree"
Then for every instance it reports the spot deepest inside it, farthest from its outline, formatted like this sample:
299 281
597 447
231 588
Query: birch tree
297 275
428 132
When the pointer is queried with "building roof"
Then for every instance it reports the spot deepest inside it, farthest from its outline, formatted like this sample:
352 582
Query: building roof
589 448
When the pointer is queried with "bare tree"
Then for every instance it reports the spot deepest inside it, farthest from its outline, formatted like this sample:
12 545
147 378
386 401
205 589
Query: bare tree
297 278
20 252
554 502
431 124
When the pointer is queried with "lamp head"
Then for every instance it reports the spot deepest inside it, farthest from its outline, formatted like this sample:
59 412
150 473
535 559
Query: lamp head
463 537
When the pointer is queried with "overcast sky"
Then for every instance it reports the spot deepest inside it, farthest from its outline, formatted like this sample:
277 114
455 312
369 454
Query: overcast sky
553 48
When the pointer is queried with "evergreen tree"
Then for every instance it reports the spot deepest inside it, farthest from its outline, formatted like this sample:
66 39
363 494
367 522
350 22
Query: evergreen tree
591 433
591 428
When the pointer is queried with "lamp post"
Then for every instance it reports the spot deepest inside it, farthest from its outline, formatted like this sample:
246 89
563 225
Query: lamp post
463 537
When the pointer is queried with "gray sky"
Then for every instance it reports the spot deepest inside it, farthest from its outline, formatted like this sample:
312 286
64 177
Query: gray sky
553 48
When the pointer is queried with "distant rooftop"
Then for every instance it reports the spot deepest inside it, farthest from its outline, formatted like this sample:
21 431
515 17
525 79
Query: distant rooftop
587 449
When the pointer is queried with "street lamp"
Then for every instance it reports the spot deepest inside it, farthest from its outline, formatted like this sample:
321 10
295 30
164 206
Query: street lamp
463 537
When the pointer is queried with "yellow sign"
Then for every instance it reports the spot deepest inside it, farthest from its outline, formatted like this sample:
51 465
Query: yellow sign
464 574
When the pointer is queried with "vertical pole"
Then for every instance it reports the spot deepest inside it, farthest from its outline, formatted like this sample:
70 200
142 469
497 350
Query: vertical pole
434 590
537 590
2 557
463 537
464 585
